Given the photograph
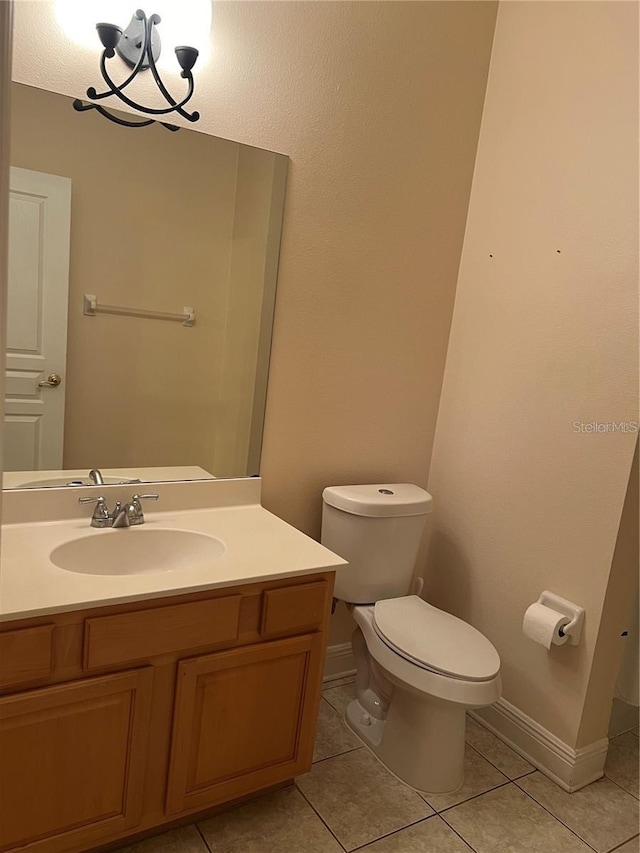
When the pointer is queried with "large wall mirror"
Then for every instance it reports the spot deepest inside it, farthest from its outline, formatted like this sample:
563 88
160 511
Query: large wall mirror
110 230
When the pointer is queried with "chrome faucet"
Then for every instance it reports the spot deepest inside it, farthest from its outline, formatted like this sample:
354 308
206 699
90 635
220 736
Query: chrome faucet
95 475
129 515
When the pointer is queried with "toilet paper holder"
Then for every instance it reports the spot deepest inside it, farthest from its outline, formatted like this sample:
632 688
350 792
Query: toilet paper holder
573 629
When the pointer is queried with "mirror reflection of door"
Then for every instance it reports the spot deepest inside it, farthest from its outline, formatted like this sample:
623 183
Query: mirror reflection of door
39 225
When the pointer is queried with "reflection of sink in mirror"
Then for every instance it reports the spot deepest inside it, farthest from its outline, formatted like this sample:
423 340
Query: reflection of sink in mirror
80 481
111 476
137 551
208 238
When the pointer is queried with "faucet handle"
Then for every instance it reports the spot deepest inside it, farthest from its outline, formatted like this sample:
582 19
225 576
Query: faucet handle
100 517
99 500
134 509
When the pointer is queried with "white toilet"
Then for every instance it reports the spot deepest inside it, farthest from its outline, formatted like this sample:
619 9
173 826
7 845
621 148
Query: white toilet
418 668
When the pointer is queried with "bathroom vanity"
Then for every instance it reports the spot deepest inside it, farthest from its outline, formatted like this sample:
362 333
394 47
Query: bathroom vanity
172 696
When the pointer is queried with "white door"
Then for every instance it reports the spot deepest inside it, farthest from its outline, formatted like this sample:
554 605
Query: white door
39 224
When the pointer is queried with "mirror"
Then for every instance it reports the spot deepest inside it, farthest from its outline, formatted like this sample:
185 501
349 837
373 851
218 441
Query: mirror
142 272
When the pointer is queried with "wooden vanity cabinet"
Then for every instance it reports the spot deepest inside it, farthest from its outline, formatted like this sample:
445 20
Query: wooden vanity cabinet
72 761
119 720
264 690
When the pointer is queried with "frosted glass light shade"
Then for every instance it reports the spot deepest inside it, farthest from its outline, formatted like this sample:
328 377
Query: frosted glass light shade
187 22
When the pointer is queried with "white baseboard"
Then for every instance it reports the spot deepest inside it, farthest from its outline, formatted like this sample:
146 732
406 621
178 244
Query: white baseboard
570 768
339 662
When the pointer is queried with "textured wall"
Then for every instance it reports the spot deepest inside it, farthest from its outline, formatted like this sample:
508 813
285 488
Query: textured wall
617 616
5 85
545 333
378 106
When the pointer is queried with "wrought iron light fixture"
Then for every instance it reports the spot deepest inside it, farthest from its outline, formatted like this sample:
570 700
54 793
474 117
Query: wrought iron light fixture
139 47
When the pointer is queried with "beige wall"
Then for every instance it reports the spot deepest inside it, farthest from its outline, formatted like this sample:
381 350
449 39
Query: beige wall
154 225
5 87
545 333
378 106
617 616
259 198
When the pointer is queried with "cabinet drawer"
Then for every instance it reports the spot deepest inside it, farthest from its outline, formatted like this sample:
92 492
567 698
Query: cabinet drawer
26 655
128 637
294 608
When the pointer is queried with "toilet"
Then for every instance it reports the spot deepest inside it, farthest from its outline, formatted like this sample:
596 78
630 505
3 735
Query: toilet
418 669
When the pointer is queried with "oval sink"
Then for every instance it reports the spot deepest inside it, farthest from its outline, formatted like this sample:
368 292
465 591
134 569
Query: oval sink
137 551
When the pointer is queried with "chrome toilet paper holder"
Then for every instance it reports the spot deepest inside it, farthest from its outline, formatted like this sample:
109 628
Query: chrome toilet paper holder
573 629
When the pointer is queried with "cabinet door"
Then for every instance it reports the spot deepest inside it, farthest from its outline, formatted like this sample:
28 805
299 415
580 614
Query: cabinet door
244 720
72 760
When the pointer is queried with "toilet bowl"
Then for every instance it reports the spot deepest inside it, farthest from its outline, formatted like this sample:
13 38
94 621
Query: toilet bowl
418 668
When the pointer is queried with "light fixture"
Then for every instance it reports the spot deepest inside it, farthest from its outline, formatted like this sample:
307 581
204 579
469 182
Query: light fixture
139 47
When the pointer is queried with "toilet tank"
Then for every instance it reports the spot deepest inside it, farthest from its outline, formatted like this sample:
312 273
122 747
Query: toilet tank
378 530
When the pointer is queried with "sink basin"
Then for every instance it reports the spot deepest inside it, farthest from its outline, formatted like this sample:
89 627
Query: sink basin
137 551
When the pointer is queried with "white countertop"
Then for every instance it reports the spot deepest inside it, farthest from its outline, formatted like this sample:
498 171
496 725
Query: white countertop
259 547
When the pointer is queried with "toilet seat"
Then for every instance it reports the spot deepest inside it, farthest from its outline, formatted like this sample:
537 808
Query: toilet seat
435 640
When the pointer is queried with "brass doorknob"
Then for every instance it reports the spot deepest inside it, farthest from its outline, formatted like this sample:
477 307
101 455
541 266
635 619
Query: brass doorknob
52 381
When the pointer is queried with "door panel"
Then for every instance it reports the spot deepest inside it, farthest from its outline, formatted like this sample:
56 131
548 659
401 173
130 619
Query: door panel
73 760
239 720
37 302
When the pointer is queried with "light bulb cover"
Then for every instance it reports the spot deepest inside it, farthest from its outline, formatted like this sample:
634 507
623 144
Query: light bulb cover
186 56
109 35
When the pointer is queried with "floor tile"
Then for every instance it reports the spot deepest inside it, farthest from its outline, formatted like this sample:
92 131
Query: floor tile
622 762
632 846
338 682
332 735
508 821
359 800
282 822
339 697
479 776
184 840
494 750
602 814
429 836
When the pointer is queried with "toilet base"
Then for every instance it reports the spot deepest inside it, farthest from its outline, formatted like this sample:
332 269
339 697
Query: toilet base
421 741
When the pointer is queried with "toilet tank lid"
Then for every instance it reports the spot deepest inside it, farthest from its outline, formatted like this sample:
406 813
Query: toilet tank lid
381 500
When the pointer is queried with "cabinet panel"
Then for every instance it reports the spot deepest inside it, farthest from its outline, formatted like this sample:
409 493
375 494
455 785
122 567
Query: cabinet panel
72 761
244 719
129 637
26 655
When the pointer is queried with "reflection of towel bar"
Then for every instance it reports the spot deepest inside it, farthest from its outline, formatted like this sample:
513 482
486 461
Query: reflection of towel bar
91 307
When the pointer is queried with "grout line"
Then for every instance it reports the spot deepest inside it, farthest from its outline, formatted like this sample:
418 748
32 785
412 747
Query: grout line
623 843
310 804
506 745
557 820
555 817
204 840
394 832
335 755
464 840
528 773
474 797
488 760
618 785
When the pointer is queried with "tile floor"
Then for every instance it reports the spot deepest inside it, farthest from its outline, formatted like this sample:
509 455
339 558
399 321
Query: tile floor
349 802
